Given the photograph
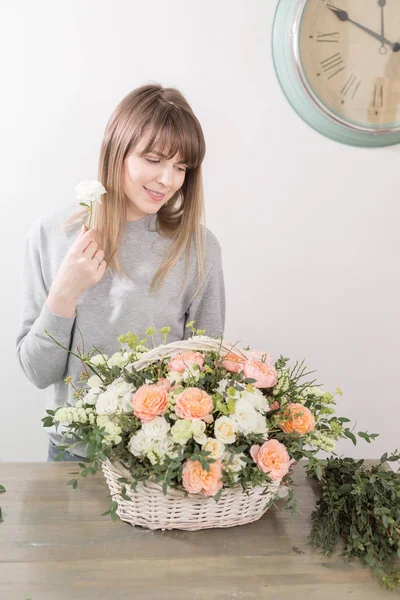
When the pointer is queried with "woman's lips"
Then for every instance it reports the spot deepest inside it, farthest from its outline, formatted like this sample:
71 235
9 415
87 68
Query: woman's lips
157 198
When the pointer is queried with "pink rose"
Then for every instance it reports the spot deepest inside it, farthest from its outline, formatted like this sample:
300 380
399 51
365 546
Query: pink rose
265 374
164 383
149 401
297 419
194 403
195 479
272 458
186 360
232 362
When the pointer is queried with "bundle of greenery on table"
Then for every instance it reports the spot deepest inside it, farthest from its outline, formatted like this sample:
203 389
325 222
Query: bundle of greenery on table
360 505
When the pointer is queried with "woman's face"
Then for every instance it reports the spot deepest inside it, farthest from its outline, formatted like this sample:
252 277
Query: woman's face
142 175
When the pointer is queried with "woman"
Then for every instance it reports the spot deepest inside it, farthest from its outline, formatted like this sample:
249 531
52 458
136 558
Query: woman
147 261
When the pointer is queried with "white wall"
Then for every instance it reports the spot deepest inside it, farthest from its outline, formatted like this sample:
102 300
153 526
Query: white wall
309 228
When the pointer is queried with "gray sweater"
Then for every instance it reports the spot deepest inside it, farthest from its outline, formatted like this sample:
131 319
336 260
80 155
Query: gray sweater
112 307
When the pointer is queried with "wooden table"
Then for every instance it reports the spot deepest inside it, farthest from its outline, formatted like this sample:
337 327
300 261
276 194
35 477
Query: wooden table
55 545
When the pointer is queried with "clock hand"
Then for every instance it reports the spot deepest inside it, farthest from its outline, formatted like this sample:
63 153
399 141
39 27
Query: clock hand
342 15
382 4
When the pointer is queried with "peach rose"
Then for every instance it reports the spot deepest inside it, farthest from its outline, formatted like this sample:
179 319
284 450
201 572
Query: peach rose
149 401
264 373
193 403
232 363
272 458
195 479
164 383
299 419
186 360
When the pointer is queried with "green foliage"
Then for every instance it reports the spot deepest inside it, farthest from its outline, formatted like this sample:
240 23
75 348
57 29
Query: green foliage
360 506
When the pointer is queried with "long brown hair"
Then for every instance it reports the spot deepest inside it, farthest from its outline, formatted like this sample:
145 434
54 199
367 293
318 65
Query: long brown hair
172 124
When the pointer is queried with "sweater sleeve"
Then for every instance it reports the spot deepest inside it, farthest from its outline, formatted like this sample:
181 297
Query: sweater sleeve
41 359
209 306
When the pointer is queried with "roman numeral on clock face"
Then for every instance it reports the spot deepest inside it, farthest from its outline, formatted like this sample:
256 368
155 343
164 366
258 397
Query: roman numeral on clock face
378 96
333 65
332 38
350 88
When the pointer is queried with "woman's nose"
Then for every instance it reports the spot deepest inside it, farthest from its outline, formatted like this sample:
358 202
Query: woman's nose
165 176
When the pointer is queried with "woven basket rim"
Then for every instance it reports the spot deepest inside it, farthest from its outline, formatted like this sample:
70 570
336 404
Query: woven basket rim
182 493
200 345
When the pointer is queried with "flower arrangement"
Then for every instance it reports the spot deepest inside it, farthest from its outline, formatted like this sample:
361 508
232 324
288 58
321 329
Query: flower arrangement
200 420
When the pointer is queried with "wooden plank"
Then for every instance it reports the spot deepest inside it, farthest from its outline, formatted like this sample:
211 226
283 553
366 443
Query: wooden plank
54 544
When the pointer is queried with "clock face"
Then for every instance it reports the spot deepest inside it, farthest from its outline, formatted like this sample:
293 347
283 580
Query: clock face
349 51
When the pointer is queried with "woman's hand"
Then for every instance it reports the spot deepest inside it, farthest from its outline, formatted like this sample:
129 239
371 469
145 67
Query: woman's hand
82 267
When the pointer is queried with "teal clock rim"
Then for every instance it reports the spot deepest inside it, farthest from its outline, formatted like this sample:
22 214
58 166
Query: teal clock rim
296 94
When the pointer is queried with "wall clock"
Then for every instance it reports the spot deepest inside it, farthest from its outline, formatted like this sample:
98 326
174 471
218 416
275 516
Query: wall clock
338 63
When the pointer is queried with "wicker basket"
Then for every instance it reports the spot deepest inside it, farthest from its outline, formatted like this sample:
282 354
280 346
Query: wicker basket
151 508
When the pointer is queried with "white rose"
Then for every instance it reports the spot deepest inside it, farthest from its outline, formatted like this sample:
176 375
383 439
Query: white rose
191 373
108 403
99 359
118 359
168 445
236 463
215 447
91 396
198 429
124 391
90 191
246 417
256 399
225 430
139 443
157 428
261 426
94 381
174 377
222 385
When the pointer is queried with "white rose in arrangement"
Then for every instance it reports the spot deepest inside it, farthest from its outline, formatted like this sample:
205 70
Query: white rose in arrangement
156 429
94 381
222 385
118 359
257 399
198 429
181 431
215 447
168 446
91 395
236 462
225 430
112 430
246 417
261 426
99 359
124 391
174 377
192 373
90 191
108 403
139 443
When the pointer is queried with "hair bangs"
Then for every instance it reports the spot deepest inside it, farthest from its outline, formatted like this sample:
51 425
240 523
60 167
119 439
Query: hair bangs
173 132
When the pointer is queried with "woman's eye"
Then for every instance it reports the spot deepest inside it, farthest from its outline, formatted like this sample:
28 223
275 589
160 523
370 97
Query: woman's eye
157 161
